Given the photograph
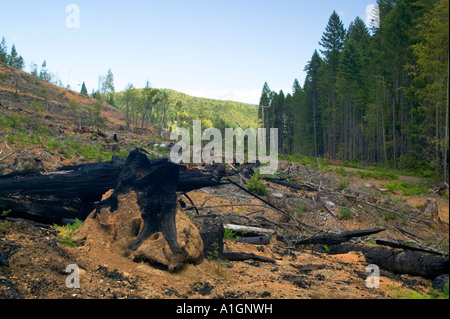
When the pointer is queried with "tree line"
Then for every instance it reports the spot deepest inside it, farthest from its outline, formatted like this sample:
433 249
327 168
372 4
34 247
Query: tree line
13 58
376 95
167 109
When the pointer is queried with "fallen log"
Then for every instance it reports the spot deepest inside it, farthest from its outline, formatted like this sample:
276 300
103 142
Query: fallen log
416 263
239 256
337 238
249 231
406 247
73 191
331 207
264 240
282 182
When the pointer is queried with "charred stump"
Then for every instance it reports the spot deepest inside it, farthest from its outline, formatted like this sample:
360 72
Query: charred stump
74 191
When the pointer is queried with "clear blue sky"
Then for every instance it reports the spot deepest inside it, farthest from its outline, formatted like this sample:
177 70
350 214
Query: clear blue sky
218 49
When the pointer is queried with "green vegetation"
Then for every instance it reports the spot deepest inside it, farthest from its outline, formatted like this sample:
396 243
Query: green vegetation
65 231
346 212
342 185
315 162
301 210
5 225
408 189
215 257
432 293
229 234
256 185
377 96
13 58
27 131
169 109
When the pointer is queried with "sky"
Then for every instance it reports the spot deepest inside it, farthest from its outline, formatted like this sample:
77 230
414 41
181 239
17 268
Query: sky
208 48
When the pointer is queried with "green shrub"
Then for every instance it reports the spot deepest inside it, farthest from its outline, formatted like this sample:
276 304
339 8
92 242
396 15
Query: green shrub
65 231
256 185
229 234
346 212
342 184
301 210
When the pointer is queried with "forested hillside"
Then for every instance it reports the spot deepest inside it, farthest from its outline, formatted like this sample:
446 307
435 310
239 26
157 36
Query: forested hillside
168 109
377 96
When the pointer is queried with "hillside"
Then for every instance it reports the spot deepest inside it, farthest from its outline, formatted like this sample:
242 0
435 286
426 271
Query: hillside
44 127
48 126
181 109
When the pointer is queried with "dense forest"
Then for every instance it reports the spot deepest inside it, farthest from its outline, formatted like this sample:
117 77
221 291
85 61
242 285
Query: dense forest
375 95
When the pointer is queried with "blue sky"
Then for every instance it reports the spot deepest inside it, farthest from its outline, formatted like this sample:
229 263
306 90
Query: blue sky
217 49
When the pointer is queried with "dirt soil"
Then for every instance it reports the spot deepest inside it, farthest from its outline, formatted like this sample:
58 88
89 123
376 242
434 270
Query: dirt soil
38 260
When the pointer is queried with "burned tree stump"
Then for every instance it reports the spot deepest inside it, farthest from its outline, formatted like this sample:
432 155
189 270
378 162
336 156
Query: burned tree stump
74 191
130 203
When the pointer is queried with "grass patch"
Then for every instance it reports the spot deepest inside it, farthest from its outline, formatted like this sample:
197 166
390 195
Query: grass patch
317 163
408 189
411 294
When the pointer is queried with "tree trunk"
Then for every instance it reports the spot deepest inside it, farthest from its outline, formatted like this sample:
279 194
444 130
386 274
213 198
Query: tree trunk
401 261
337 239
74 191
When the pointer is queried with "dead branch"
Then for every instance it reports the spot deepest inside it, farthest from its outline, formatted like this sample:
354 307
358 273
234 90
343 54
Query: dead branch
338 238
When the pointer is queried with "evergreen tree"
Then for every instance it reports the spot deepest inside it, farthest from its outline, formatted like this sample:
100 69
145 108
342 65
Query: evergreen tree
14 59
312 97
84 89
44 74
264 100
432 80
3 52
332 43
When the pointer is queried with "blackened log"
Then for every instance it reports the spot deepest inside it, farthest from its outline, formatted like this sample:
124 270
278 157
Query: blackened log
239 256
73 191
259 240
399 261
406 247
338 238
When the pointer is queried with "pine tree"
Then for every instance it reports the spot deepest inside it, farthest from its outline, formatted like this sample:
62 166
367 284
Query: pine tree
312 96
264 100
84 89
332 43
3 52
14 59
432 76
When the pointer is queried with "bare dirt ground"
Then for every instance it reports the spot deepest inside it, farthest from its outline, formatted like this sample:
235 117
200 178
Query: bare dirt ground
37 264
37 261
